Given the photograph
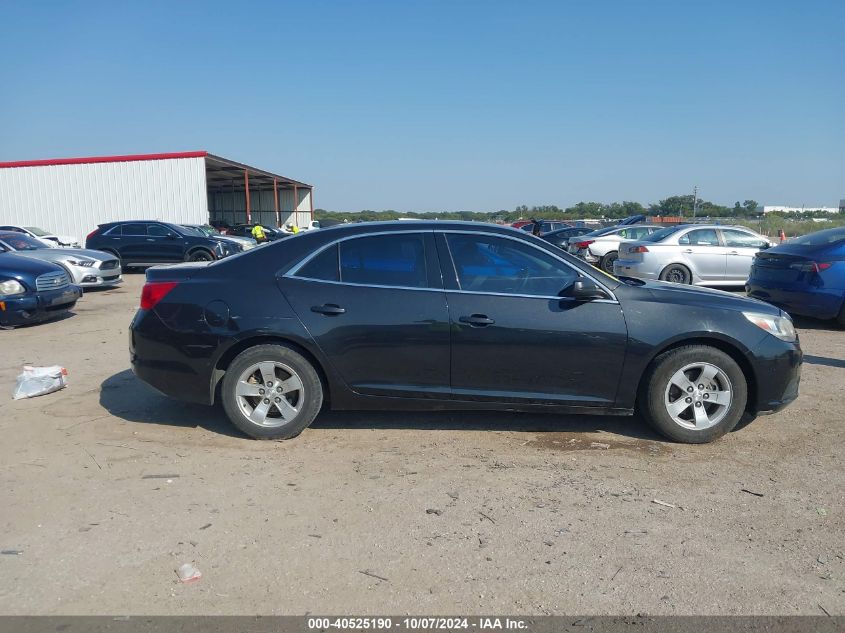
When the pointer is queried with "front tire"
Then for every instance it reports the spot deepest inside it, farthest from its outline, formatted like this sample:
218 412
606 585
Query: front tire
271 392
200 256
693 394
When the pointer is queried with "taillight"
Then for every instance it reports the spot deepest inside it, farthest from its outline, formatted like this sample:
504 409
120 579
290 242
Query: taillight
638 249
155 291
92 233
583 244
811 267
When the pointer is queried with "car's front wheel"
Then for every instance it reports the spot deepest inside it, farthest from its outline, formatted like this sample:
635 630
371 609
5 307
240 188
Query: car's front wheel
693 394
271 392
200 256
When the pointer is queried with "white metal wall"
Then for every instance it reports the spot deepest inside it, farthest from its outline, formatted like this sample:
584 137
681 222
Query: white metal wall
74 199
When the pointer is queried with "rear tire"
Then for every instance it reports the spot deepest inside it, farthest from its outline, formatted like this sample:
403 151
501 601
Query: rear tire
677 274
607 261
693 394
279 410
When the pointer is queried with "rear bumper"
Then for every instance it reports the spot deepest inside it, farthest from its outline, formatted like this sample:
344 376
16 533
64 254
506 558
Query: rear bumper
37 307
628 268
176 364
822 303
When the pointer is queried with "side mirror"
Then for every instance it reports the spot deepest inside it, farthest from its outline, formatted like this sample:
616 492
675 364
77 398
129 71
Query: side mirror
583 289
765 245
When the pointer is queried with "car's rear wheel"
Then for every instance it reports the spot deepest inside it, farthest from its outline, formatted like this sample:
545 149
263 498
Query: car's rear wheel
677 274
607 261
271 392
693 394
200 256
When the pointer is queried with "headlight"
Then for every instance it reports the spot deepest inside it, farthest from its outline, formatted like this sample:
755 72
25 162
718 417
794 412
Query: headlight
11 288
85 263
779 326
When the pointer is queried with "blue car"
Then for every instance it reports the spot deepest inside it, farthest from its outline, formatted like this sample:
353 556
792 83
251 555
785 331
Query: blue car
32 291
805 276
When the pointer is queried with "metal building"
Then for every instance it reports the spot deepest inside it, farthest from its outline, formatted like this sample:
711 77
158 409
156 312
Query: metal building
71 196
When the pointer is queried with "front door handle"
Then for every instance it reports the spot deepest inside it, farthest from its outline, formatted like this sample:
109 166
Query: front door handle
329 309
733 253
689 250
150 239
477 320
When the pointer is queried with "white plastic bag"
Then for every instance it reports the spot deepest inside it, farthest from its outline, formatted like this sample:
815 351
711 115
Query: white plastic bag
37 381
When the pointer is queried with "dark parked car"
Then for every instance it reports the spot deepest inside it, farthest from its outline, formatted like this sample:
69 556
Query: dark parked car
560 238
546 226
245 230
451 315
146 243
805 275
32 291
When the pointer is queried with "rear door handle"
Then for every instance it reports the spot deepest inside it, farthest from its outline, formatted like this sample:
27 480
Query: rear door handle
150 239
329 309
477 320
689 250
733 253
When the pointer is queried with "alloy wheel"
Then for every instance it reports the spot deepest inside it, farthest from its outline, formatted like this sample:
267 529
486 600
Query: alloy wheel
269 394
698 396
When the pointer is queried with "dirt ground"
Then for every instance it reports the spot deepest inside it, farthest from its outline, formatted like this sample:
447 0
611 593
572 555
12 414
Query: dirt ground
107 487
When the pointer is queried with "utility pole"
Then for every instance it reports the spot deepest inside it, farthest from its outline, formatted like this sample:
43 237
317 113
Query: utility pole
694 201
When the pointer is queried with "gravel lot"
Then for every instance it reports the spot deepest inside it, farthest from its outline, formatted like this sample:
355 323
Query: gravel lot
107 487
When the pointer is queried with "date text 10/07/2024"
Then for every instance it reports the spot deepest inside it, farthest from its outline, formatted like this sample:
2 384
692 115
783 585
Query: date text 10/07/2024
416 624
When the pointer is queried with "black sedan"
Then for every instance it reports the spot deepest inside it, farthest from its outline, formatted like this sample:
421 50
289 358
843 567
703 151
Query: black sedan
451 315
560 238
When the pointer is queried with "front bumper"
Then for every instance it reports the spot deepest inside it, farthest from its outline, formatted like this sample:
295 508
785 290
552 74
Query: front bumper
93 278
36 307
821 303
777 368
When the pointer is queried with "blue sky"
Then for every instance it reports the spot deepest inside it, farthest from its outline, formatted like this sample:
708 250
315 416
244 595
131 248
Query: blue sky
426 105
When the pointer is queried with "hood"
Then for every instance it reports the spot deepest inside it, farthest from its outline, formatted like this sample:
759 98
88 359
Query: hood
63 254
14 266
666 292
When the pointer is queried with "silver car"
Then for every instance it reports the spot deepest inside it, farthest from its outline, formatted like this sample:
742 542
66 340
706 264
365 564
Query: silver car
246 243
702 255
86 268
601 247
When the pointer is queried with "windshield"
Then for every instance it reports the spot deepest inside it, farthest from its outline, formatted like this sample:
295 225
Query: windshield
192 230
662 234
205 229
22 242
821 238
36 231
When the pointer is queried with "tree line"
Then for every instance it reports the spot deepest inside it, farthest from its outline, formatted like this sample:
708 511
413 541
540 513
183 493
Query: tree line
671 206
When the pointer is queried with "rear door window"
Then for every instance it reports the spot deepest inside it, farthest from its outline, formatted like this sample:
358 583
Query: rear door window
392 259
134 230
323 267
